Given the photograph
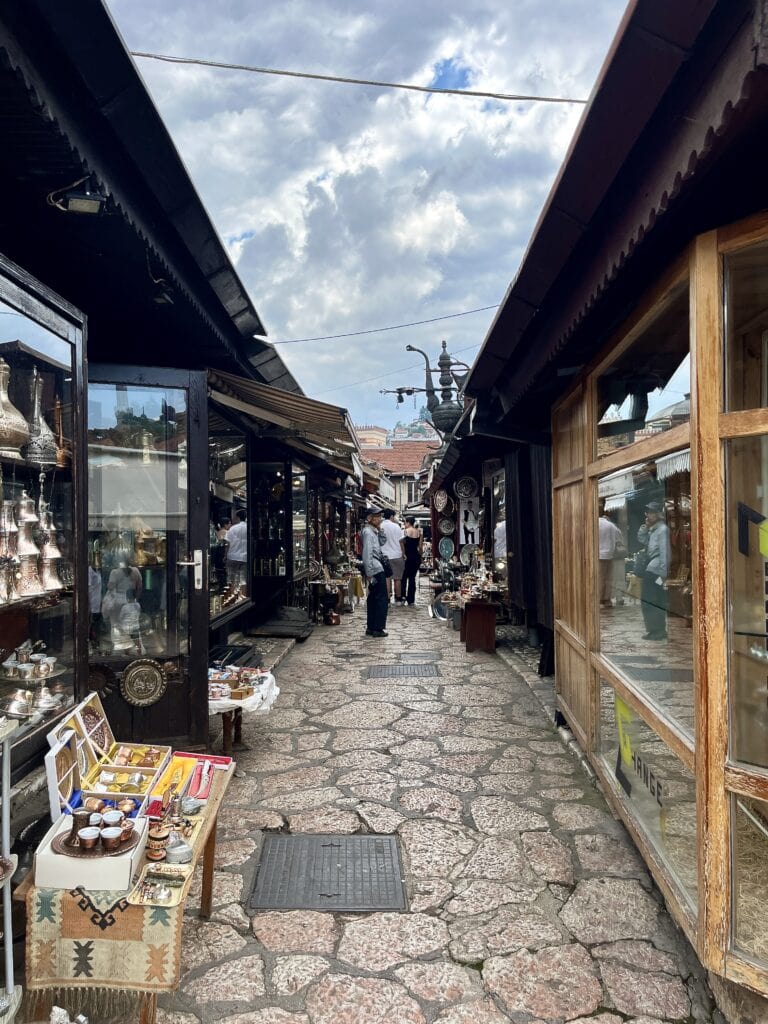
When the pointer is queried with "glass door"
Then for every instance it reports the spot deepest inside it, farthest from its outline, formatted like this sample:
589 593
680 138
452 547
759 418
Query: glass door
147 551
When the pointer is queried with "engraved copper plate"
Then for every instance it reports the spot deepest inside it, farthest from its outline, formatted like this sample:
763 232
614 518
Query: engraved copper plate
95 727
440 500
465 487
143 682
446 527
60 844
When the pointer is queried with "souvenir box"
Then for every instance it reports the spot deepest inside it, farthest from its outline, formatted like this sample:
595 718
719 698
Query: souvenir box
97 751
62 773
60 871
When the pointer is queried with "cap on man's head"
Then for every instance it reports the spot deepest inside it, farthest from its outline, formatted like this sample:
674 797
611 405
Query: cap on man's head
654 506
373 511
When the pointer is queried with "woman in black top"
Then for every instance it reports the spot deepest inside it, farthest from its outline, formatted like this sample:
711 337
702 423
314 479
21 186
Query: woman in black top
411 544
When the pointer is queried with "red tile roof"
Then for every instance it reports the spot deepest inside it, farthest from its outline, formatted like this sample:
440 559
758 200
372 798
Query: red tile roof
402 457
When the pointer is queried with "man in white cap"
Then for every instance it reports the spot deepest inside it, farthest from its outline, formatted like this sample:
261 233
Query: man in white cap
653 597
373 567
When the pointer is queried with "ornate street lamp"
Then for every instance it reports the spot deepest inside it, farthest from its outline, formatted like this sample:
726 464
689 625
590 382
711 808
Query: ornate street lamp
446 410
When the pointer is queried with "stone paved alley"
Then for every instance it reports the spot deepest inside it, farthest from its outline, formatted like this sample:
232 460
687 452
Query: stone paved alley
527 900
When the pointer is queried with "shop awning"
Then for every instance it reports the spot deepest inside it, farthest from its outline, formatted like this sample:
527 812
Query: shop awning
288 417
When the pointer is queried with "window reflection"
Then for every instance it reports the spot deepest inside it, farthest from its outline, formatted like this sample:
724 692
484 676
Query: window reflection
658 788
746 318
229 578
747 528
647 389
137 521
300 530
750 875
644 569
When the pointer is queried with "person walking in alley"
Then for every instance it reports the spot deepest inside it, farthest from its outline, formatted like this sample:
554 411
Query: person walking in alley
411 545
373 567
653 596
610 545
391 548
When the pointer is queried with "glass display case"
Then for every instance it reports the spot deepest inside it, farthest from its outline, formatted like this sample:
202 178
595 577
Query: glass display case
269 521
40 371
229 574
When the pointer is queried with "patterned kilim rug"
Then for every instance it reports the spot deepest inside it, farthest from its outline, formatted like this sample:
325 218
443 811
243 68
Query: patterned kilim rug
79 939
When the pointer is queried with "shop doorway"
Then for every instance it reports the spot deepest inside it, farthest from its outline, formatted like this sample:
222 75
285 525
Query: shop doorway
147 502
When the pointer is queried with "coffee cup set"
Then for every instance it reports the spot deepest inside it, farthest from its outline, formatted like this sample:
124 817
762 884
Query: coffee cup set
107 829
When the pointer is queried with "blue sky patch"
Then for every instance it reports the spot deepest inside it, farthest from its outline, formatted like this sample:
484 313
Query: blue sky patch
451 74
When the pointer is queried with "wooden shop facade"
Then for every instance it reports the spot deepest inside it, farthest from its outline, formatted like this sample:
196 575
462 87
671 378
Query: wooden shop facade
636 334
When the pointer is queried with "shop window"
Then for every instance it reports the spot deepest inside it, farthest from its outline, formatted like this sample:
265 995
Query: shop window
746 327
750 875
39 524
644 581
229 564
499 520
747 531
300 527
137 521
646 389
655 786
269 532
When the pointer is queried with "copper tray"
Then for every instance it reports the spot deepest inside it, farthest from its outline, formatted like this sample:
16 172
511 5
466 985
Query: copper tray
60 844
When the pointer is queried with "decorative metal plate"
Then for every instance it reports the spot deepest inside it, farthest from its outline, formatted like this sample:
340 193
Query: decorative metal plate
465 487
101 678
446 547
467 553
446 527
143 682
314 568
96 728
420 671
65 774
440 500
59 844
329 872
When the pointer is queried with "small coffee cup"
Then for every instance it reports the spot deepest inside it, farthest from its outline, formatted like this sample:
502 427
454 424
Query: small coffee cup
95 820
126 829
112 819
127 806
88 837
110 838
92 803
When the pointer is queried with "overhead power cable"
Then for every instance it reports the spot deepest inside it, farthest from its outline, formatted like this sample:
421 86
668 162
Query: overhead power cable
513 97
378 330
389 373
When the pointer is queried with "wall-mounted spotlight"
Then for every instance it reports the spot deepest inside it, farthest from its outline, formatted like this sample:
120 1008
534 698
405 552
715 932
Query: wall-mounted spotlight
79 197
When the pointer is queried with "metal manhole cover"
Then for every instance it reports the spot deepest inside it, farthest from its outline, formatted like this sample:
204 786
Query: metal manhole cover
329 872
398 671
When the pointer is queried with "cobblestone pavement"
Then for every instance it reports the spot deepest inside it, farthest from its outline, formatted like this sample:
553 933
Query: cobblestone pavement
527 901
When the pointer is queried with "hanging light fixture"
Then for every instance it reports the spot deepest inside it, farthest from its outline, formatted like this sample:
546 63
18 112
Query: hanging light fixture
79 197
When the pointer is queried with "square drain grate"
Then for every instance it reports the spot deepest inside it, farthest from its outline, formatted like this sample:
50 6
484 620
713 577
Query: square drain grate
420 671
329 872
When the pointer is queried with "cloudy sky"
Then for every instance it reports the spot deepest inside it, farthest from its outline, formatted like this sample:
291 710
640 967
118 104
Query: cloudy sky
347 208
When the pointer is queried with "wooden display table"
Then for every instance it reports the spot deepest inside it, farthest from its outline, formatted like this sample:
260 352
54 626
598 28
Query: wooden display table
98 946
478 624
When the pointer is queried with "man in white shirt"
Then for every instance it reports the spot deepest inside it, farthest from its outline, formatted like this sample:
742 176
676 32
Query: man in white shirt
237 552
610 545
390 546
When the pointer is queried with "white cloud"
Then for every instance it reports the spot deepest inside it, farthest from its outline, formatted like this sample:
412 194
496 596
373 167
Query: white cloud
348 208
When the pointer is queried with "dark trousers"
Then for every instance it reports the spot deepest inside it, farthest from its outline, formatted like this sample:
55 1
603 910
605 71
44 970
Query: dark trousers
653 602
378 603
409 579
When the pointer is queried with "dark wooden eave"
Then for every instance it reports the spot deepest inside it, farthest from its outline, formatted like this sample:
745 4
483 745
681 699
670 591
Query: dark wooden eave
72 102
657 158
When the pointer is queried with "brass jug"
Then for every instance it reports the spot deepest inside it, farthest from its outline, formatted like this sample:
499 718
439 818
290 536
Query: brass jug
14 431
26 546
41 448
50 575
50 549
